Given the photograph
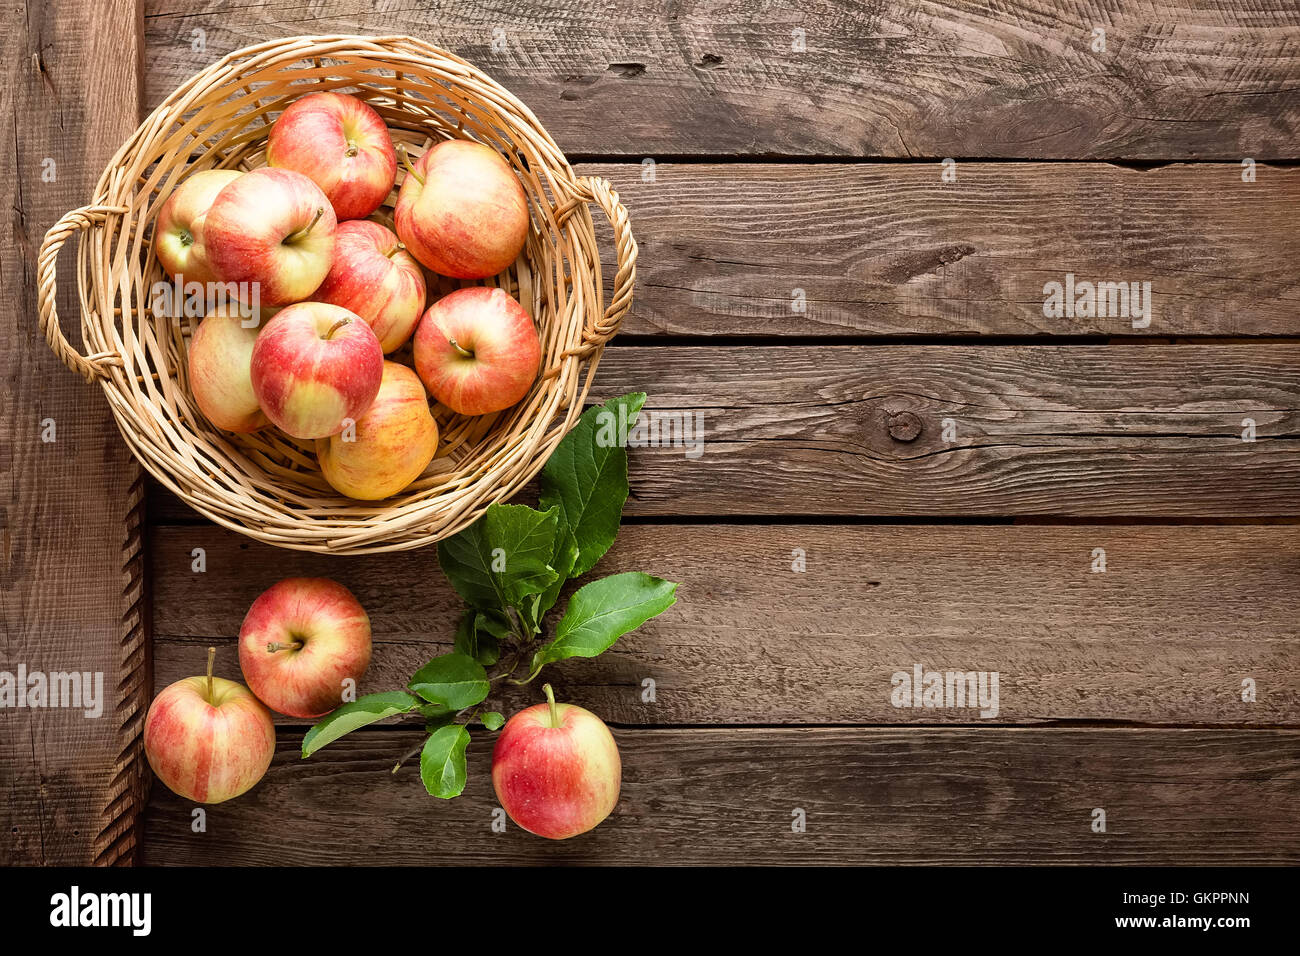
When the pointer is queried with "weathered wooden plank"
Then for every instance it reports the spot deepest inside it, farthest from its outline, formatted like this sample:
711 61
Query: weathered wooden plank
892 250
1195 79
1084 431
728 796
1080 431
72 786
1166 634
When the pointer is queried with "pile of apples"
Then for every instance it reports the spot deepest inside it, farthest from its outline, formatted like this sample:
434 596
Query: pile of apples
303 643
339 291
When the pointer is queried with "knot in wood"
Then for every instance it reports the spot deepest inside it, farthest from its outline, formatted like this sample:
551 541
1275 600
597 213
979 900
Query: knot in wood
903 425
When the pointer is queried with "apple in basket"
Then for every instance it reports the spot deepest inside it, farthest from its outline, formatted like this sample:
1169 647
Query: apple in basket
272 227
374 276
342 145
477 350
556 769
178 233
303 641
208 739
220 363
462 211
393 442
315 367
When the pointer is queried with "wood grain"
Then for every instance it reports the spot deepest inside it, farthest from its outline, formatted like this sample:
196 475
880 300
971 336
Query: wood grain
727 796
1138 430
71 787
1166 635
1146 430
891 250
1200 79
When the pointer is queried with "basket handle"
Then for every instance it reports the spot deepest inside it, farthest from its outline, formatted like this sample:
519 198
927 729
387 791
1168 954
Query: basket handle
596 333
88 367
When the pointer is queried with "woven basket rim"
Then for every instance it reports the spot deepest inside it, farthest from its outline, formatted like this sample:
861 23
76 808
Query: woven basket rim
262 485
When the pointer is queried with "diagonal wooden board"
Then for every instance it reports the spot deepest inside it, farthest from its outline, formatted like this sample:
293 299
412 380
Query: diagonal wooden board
71 787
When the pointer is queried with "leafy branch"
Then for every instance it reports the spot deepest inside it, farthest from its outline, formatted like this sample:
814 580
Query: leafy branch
509 567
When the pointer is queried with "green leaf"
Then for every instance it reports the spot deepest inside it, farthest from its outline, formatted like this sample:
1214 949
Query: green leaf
586 478
453 680
479 636
503 557
492 720
442 761
536 606
358 713
603 611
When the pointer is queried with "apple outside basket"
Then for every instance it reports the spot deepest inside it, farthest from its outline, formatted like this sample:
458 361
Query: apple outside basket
267 485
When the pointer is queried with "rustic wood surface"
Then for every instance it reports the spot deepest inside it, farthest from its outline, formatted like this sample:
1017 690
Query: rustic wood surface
754 642
1204 79
710 796
1126 430
781 176
71 788
892 250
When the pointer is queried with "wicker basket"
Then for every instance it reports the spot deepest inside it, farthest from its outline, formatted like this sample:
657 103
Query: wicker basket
267 485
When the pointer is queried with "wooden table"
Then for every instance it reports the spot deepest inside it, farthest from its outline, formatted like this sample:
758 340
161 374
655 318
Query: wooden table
888 405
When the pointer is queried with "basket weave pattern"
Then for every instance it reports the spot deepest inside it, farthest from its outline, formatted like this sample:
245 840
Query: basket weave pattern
268 485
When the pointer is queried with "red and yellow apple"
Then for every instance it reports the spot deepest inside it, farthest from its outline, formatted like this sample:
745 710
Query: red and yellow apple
342 145
300 641
462 211
477 350
393 442
220 363
314 367
555 769
178 233
374 276
208 739
273 228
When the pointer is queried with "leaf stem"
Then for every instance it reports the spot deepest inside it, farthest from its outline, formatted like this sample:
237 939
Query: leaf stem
407 756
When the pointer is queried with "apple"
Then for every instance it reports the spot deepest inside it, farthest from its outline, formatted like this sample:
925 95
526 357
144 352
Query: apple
178 233
477 350
208 739
462 211
555 769
394 441
220 361
342 145
314 367
374 276
272 227
301 639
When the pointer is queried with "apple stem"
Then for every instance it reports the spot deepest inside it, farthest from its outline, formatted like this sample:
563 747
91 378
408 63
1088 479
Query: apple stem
550 699
400 247
466 353
406 161
303 233
351 150
274 646
212 656
336 326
